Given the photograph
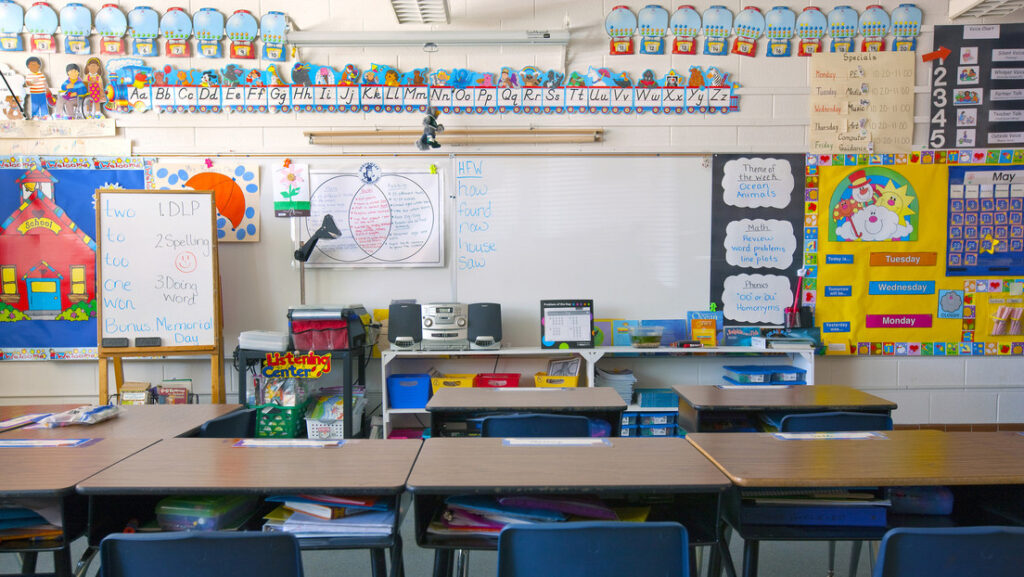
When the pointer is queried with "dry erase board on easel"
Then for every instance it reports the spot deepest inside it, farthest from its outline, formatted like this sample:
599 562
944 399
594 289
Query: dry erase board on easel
157 271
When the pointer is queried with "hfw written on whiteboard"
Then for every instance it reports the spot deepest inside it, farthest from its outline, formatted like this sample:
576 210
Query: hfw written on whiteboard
388 214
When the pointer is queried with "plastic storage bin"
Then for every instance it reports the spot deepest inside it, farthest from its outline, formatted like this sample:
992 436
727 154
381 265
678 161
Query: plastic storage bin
496 380
278 421
657 398
452 382
657 430
545 380
204 512
748 374
408 391
629 431
630 418
788 375
325 419
657 418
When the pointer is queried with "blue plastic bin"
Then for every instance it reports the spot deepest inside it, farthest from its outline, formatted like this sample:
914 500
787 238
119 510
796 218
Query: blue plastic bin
408 391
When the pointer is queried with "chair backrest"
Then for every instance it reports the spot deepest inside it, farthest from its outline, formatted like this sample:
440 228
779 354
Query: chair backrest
952 551
593 549
535 425
238 424
200 554
834 422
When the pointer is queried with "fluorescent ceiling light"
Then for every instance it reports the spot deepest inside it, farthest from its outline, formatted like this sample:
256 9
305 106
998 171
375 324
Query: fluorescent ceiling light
459 136
421 37
421 11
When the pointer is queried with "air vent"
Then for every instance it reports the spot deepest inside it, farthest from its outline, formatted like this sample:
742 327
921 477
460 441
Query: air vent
980 8
421 11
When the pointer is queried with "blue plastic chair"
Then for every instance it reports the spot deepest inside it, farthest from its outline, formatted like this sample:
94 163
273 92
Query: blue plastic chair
593 549
200 554
952 551
239 424
535 425
835 422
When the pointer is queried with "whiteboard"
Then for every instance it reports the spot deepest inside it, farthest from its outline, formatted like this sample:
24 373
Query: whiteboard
631 233
156 267
388 215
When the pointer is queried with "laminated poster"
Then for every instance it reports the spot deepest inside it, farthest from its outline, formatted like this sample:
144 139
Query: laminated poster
76 26
717 28
236 188
810 27
176 28
111 25
748 27
291 190
143 28
208 24
653 23
620 24
874 26
843 25
41 24
906 26
12 21
685 27
780 25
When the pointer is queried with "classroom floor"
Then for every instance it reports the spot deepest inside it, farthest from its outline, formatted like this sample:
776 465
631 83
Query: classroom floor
778 559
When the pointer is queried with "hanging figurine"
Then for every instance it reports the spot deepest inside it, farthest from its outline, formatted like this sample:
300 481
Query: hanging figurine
842 27
76 25
69 104
717 27
653 21
906 25
748 27
780 24
12 20
39 95
685 27
874 26
620 24
810 27
95 93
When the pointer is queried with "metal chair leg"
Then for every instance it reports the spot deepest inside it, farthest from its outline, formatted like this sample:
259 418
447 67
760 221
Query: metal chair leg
855 549
462 563
831 559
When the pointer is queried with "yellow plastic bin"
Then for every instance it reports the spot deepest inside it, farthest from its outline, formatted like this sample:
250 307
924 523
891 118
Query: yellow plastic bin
545 380
451 382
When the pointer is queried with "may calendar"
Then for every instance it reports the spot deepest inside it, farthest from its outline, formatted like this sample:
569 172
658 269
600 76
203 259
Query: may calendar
986 221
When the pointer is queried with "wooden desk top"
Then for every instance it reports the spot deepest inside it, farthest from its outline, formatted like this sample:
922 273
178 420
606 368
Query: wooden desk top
49 471
798 397
158 421
459 465
916 457
204 466
11 411
472 399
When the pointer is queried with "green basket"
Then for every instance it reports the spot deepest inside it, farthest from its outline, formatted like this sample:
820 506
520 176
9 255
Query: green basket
278 421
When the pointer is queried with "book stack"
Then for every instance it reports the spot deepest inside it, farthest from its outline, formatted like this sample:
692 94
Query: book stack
833 508
330 516
486 516
18 523
622 380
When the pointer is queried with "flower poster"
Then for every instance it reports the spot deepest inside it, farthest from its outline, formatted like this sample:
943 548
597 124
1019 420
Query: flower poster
291 190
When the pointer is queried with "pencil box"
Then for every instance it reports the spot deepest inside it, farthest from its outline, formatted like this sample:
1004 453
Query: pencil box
203 512
591 508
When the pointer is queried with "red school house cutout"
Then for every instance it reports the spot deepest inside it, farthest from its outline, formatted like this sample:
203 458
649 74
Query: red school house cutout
47 264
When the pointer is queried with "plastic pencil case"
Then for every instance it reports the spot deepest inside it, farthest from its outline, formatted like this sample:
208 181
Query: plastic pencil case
748 374
546 380
203 512
791 375
657 430
496 380
630 418
657 398
657 418
408 391
452 382
629 431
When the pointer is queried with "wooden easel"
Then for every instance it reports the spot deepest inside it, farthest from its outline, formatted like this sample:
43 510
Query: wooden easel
136 242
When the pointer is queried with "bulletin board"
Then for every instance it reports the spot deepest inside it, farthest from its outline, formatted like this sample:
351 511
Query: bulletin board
888 281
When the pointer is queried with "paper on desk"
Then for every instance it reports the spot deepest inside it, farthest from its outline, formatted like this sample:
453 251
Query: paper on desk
541 442
812 436
372 523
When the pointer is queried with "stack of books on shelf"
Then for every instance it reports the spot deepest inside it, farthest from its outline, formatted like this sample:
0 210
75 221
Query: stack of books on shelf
485 516
330 516
846 508
622 380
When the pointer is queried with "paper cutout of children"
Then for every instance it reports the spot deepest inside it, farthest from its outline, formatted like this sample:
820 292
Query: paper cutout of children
38 89
95 91
69 105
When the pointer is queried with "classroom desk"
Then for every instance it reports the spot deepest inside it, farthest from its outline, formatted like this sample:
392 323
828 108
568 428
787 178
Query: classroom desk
157 421
450 407
701 407
52 473
985 470
130 489
651 467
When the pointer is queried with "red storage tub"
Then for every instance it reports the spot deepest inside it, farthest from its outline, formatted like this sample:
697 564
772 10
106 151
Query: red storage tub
496 380
319 335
